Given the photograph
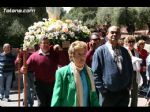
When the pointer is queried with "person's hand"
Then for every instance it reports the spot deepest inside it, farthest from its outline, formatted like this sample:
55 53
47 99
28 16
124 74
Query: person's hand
57 47
92 45
19 60
23 69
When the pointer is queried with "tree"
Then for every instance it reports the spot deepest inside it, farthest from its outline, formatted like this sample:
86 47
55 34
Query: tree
144 17
63 12
104 15
121 16
127 16
14 25
85 14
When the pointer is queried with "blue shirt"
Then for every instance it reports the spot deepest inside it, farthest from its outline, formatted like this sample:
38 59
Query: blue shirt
106 73
85 87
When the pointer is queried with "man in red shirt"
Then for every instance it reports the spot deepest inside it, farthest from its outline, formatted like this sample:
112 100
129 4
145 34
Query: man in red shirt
95 42
43 64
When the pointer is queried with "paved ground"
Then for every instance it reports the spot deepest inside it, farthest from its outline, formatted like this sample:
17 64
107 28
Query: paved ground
14 98
14 101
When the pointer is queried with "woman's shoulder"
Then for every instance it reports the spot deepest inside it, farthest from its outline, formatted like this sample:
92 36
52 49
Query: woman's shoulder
64 69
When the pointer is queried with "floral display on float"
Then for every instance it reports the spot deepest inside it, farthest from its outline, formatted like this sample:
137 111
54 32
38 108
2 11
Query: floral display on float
57 31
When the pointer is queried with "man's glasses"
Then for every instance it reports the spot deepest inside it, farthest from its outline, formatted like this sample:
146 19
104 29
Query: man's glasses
96 39
142 44
112 32
131 41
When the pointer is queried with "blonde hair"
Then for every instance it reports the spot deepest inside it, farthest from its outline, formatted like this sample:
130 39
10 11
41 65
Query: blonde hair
76 46
140 42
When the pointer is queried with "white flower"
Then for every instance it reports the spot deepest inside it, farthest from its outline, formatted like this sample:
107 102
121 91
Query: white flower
44 19
40 23
62 37
51 28
72 34
32 38
30 28
27 37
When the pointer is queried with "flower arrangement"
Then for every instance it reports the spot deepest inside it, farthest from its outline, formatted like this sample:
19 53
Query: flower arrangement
56 30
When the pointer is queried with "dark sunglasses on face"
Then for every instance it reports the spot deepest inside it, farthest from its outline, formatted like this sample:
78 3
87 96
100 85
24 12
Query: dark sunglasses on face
142 44
95 39
130 41
112 32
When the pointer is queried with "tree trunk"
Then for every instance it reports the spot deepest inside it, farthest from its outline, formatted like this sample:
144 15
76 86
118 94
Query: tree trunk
148 24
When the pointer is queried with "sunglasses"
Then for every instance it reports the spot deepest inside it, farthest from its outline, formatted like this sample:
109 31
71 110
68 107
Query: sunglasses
112 32
131 41
96 39
142 44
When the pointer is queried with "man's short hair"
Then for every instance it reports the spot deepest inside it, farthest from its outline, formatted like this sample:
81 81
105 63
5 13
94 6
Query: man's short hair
43 37
5 45
96 34
111 27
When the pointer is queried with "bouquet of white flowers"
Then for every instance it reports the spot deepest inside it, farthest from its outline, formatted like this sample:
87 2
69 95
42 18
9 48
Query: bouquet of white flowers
56 30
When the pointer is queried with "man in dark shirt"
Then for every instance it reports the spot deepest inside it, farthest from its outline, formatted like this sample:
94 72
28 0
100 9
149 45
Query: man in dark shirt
95 42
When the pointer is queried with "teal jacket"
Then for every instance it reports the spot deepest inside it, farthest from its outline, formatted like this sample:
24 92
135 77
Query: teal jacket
64 92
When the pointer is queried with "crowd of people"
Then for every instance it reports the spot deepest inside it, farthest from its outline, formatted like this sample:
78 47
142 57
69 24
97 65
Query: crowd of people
105 71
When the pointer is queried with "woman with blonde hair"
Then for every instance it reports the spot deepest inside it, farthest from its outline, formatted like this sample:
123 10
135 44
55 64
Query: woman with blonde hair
74 84
136 67
143 54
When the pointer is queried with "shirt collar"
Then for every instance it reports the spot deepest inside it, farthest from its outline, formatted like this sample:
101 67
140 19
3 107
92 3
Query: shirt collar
41 52
71 69
109 45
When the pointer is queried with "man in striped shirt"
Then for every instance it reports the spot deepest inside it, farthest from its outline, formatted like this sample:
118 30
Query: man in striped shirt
7 67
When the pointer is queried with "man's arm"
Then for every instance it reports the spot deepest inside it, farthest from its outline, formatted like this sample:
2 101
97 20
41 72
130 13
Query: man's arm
97 67
130 68
89 55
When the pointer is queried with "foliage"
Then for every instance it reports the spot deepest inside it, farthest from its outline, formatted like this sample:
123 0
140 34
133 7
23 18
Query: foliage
128 16
144 17
14 25
104 15
86 14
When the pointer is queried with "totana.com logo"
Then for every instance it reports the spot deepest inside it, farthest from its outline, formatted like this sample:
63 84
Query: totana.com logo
10 10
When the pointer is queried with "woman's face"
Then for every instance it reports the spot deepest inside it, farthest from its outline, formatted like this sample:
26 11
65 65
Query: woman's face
79 57
131 44
141 45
